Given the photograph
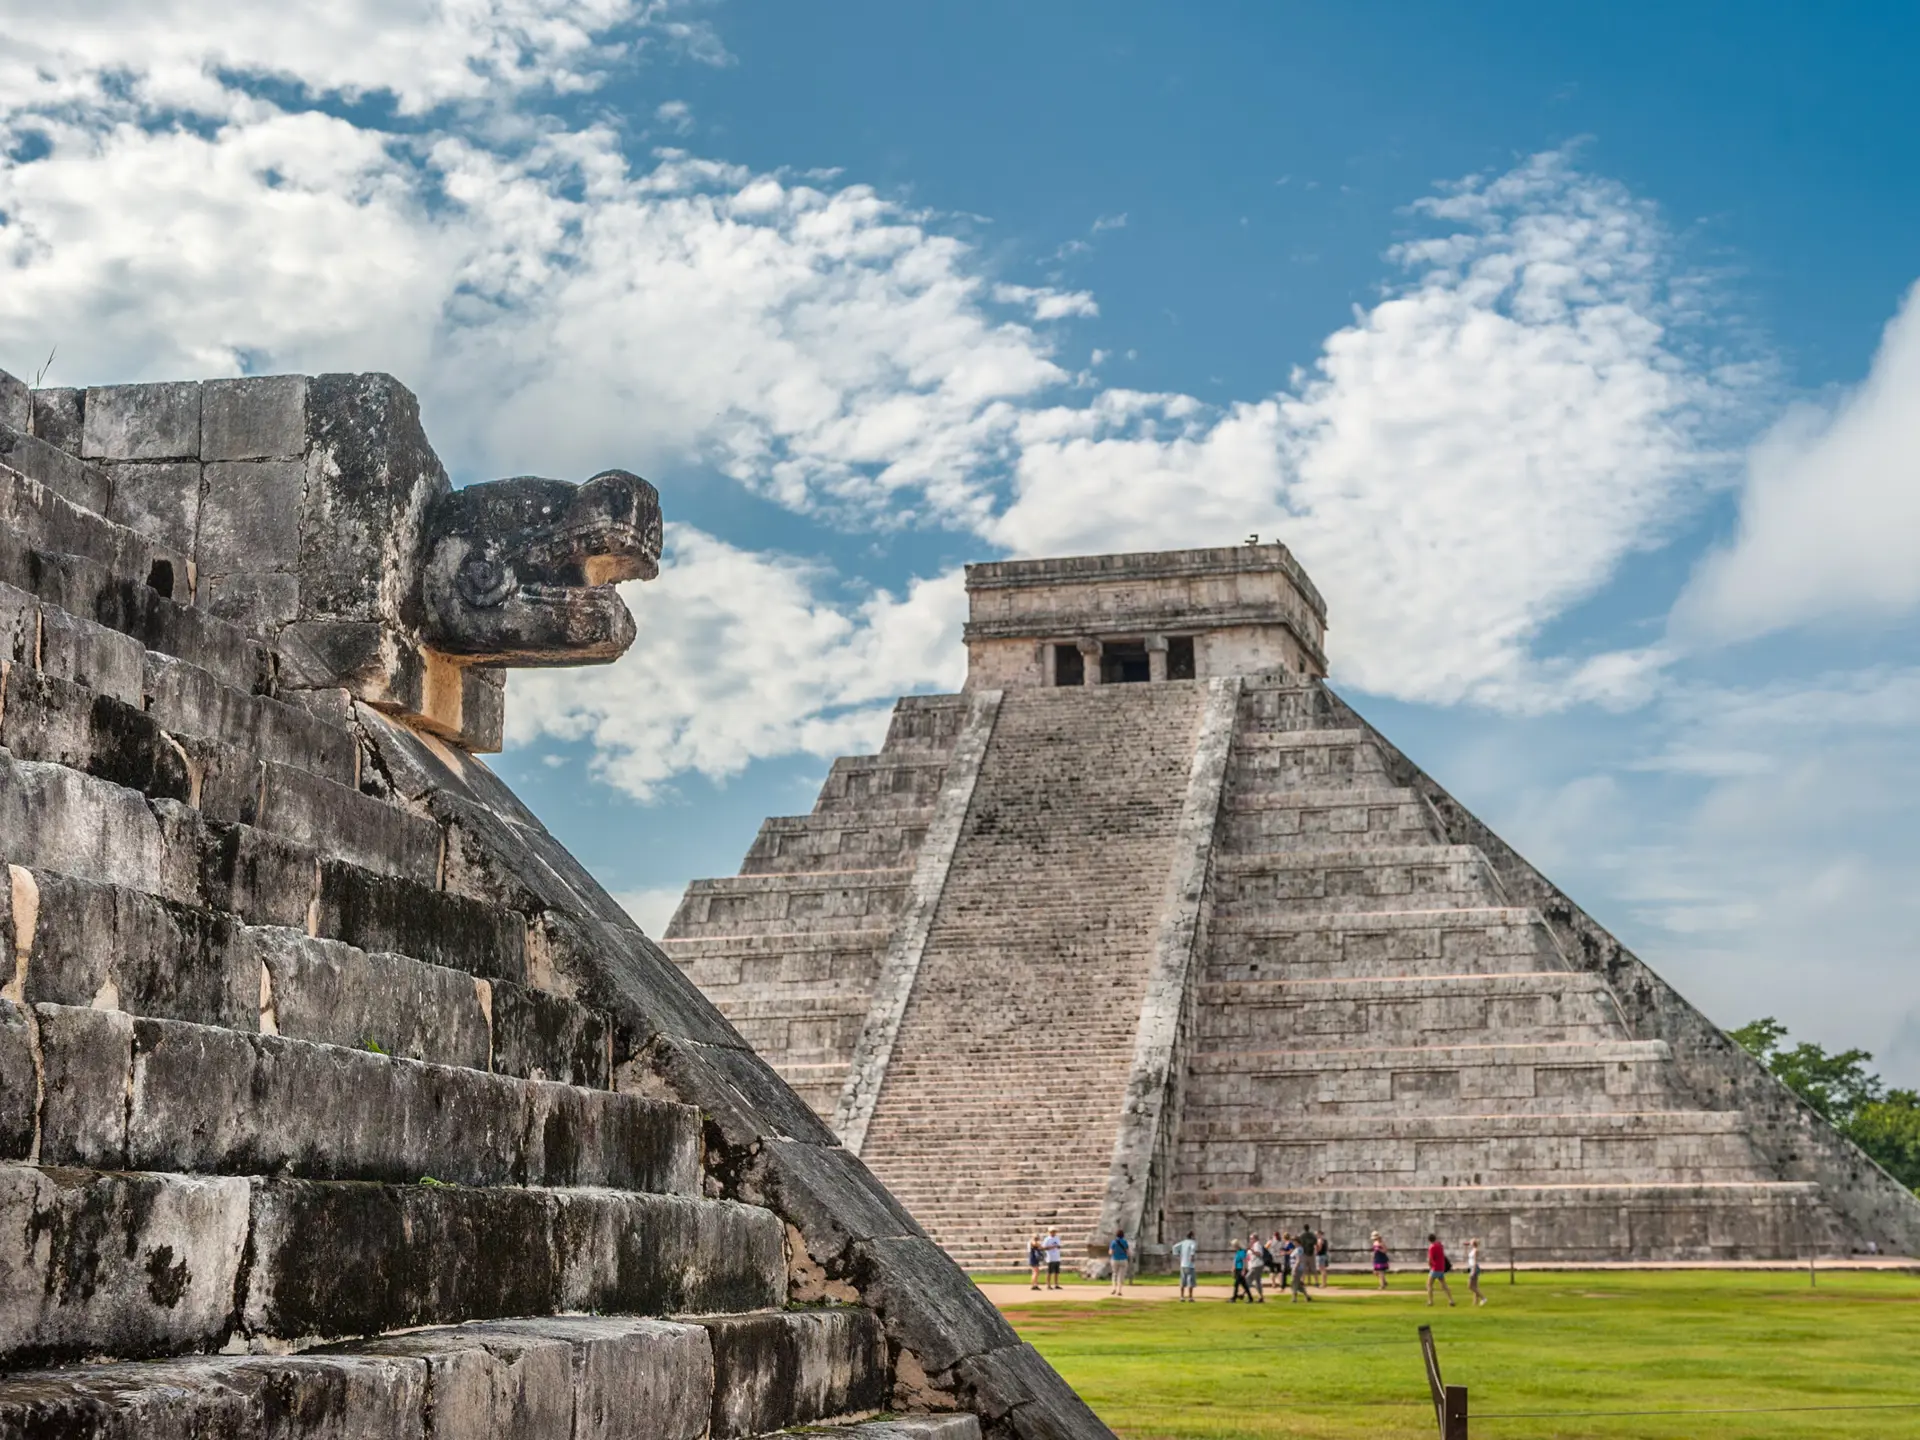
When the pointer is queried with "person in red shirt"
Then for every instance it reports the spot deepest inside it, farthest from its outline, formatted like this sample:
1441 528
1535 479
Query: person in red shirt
1437 1268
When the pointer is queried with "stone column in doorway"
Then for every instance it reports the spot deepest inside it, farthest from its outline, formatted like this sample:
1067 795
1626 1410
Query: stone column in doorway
1089 661
1049 672
1156 658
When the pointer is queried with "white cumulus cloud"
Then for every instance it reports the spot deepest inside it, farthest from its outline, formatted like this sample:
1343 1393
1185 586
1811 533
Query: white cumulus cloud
1830 517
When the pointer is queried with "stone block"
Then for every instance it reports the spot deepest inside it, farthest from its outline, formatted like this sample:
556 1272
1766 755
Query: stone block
102 660
160 499
259 604
929 1307
259 417
580 1137
338 1259
632 1379
142 422
665 1255
250 516
44 718
57 417
19 1082
311 810
158 957
259 878
215 1101
57 469
775 1371
342 1259
59 819
16 402
129 1265
282 1398
86 1057
382 912
172 628
189 700
335 994
540 1036
827 1193
490 1386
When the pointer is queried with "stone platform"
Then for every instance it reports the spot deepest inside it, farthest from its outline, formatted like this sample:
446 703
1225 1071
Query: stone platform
336 1098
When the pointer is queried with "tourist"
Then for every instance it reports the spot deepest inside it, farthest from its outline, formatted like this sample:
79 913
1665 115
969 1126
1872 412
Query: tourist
1036 1257
1119 1253
1381 1260
1240 1262
1186 1254
1437 1267
1051 1246
1303 1249
1256 1280
1473 1271
1306 1256
1322 1257
1286 1259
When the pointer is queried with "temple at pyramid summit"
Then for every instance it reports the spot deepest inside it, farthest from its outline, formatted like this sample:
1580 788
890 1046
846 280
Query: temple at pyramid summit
337 1099
1147 929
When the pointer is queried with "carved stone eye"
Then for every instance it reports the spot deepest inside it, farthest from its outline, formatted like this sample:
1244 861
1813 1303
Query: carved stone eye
483 582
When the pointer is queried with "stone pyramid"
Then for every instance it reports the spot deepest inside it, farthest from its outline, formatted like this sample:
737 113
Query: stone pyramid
1149 930
336 1098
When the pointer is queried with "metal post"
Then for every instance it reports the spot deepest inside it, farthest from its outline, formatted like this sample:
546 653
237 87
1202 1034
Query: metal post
1453 1422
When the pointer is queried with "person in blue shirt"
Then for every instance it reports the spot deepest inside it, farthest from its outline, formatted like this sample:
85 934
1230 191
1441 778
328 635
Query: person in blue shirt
1186 1254
1119 1253
1240 1262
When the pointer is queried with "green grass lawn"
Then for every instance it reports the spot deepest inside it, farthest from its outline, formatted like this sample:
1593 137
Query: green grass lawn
1350 1366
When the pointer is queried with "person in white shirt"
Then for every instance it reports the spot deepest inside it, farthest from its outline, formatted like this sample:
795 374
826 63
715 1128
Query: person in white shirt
1186 1254
1051 1245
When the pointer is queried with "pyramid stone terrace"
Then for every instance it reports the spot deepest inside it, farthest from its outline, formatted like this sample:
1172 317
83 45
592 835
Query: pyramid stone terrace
1148 929
336 1098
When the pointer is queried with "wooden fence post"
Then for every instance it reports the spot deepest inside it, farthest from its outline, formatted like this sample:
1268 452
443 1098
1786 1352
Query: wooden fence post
1449 1401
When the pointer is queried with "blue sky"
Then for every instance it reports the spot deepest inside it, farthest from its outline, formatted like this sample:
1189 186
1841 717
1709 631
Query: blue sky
1566 349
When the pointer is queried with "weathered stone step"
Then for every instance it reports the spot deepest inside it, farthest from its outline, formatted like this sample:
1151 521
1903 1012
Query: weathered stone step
98 571
577 1376
1678 1146
54 818
175 695
53 501
1616 1074
844 900
1378 944
909 1427
796 844
48 719
133 1265
35 458
123 1093
79 942
1312 882
1289 819
1545 1006
865 784
925 722
1571 1222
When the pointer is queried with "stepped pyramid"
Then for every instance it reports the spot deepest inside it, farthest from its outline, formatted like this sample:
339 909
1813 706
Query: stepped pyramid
336 1098
1148 929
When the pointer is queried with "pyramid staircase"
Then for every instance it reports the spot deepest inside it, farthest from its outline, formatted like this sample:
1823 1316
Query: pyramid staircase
337 1100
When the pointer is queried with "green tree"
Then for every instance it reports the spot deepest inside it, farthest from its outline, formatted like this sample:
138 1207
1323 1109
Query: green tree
1884 1123
1889 1130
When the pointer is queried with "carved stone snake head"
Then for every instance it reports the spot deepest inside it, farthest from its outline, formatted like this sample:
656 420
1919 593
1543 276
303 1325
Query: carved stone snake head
521 572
